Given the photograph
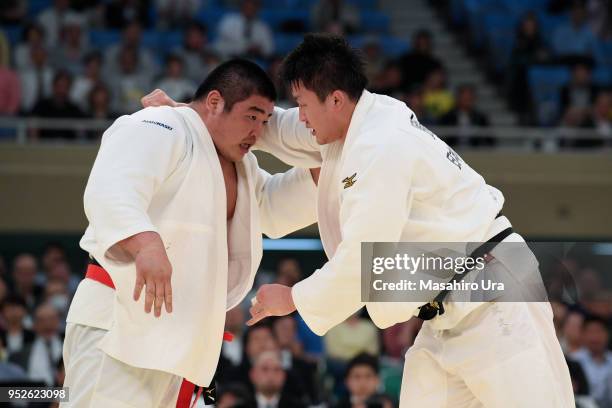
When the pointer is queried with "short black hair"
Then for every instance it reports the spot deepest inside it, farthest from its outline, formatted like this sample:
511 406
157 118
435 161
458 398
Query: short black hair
595 319
362 359
237 80
325 63
14 300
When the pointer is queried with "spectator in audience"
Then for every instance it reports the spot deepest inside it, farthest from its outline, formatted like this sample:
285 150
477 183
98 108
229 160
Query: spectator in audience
130 39
84 83
41 357
437 98
466 117
198 59
571 333
132 82
291 353
15 336
62 272
233 396
288 272
244 34
36 80
595 358
174 82
389 82
52 18
120 13
53 254
10 91
268 378
25 268
600 16
415 99
601 117
578 96
351 337
32 37
71 49
99 105
417 65
326 12
580 385
10 372
362 382
57 106
13 11
574 39
374 59
529 49
176 13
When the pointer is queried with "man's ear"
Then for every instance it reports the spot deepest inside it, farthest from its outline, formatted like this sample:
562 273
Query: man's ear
215 102
338 99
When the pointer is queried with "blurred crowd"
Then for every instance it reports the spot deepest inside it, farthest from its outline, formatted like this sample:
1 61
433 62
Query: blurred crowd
279 362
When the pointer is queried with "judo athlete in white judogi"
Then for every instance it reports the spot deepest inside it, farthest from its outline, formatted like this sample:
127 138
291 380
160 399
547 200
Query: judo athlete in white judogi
385 178
176 205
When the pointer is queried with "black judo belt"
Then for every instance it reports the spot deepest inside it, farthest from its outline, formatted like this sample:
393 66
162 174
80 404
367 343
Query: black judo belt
430 310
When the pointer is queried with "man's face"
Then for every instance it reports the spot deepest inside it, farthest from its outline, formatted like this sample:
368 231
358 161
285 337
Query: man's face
285 331
237 131
24 272
316 115
46 322
268 376
362 382
595 337
13 313
260 340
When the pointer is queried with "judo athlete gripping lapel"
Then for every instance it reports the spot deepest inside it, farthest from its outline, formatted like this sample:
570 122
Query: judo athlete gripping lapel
176 205
386 178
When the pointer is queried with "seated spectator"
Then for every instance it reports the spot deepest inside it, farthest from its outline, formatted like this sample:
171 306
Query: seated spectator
601 117
57 106
600 16
268 378
466 117
578 96
389 82
326 12
436 97
41 357
351 337
571 332
13 11
362 382
25 268
99 104
10 91
529 49
374 59
580 385
120 13
233 396
574 39
10 372
131 38
84 83
244 34
51 20
291 353
32 37
288 272
53 254
417 65
132 83
15 336
595 358
36 80
415 99
198 59
174 82
72 46
176 13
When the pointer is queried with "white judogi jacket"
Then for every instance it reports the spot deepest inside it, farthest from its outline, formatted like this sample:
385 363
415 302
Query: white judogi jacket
158 170
408 186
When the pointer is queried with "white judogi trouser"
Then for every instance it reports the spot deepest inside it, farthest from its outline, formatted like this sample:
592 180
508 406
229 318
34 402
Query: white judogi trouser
502 355
96 380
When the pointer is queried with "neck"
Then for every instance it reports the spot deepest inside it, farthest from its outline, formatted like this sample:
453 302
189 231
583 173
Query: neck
346 118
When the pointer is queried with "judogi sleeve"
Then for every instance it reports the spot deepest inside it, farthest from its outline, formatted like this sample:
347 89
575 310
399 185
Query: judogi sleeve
373 209
289 140
287 201
135 157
